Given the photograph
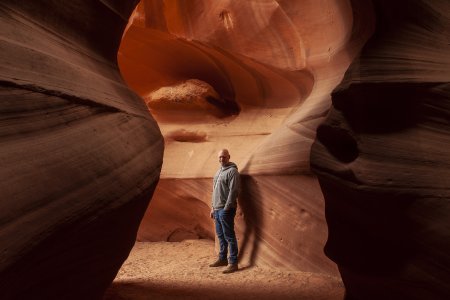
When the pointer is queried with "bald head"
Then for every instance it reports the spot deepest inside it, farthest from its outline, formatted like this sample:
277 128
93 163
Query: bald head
224 157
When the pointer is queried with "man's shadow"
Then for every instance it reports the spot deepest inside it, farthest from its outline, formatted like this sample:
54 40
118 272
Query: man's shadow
252 208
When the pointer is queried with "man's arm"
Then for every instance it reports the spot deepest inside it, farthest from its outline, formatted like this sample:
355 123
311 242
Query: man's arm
234 191
211 213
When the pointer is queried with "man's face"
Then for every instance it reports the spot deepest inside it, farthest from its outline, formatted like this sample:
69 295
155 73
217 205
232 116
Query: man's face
224 158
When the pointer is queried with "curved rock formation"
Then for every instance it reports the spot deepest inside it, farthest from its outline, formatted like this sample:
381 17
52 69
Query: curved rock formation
383 161
80 154
272 65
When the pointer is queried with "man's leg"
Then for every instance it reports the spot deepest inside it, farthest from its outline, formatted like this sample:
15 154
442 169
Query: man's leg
222 261
227 220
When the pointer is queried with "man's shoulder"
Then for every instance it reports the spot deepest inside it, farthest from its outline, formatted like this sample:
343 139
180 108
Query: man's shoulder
233 170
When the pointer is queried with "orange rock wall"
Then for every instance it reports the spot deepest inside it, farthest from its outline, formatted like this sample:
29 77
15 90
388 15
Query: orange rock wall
271 66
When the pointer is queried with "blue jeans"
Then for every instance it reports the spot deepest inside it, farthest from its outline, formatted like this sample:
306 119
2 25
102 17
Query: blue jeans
224 220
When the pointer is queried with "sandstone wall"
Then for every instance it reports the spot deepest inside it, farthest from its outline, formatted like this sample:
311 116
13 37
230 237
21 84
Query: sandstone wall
80 154
383 160
254 77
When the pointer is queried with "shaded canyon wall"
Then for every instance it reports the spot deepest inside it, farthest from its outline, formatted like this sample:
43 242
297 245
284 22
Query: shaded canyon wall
383 158
80 154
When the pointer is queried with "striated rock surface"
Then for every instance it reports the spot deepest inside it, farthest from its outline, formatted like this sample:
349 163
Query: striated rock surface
271 66
383 160
80 154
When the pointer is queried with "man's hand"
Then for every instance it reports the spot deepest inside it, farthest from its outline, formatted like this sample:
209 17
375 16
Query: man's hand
211 214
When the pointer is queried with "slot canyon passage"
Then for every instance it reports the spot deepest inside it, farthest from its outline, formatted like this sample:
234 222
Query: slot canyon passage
336 112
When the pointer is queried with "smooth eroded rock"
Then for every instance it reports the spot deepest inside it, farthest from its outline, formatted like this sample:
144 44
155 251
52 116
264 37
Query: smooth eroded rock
277 62
80 153
382 158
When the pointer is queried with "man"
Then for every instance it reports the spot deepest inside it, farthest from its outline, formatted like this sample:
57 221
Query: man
224 203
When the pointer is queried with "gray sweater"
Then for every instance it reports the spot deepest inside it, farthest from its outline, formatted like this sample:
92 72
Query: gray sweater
225 187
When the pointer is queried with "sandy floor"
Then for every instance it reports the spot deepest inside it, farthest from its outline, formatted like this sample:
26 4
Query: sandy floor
179 270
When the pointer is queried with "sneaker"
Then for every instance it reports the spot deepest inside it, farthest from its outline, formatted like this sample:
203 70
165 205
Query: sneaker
219 263
231 269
